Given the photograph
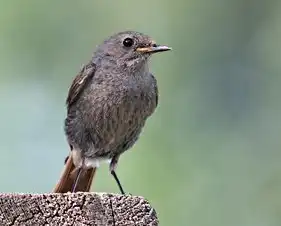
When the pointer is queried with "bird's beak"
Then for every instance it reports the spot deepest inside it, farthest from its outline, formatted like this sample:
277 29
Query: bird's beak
153 49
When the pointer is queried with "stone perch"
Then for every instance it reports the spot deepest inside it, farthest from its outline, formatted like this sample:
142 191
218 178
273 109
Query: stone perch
76 209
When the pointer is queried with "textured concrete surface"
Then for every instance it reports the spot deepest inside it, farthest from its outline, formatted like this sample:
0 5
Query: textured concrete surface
76 209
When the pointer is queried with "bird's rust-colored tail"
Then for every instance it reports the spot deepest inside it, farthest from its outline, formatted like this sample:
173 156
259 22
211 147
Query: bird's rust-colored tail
69 177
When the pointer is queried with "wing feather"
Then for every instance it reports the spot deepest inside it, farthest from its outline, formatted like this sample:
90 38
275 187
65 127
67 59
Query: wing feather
79 83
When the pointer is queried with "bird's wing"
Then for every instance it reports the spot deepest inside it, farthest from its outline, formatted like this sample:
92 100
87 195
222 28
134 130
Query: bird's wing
79 83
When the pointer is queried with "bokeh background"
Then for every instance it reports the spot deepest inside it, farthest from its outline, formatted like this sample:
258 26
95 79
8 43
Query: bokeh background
210 155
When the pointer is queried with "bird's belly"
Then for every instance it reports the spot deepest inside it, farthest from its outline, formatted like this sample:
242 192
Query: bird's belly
116 141
108 129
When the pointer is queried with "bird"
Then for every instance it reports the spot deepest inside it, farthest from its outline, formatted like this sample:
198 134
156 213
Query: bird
108 104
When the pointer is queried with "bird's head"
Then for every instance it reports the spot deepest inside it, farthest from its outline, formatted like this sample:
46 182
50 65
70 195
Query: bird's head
129 47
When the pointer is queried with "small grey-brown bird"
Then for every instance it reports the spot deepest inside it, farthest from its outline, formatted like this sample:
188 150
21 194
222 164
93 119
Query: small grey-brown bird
108 104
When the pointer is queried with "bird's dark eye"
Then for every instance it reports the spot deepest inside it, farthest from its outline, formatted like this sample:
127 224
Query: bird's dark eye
128 42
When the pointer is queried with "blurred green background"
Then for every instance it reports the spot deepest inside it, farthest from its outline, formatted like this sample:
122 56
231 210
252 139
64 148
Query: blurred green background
210 155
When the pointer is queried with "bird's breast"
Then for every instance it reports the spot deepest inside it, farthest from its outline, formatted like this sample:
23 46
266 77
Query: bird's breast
108 118
121 113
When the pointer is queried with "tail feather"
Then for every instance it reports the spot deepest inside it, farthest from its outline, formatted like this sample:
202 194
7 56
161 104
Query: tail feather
68 178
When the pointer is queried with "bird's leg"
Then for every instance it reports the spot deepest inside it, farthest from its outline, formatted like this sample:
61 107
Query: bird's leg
118 182
112 168
80 170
